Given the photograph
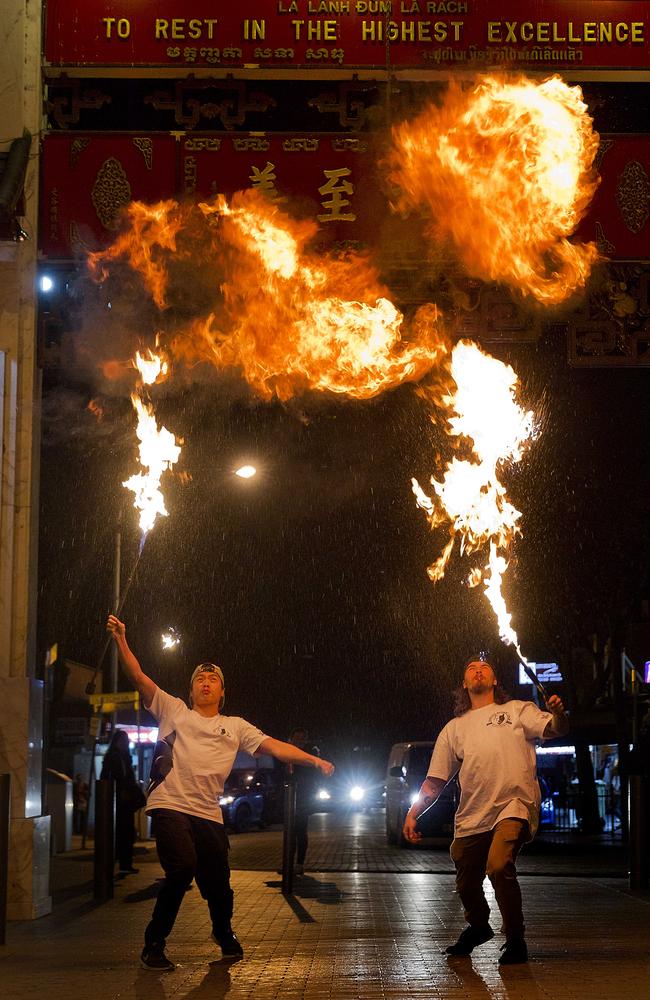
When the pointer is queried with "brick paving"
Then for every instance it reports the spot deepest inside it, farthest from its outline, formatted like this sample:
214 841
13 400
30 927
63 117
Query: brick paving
368 922
343 936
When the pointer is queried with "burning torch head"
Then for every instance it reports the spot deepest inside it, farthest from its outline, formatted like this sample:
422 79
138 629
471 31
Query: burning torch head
212 671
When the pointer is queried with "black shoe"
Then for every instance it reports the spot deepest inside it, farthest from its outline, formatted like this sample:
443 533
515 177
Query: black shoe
155 959
469 939
514 952
128 871
230 946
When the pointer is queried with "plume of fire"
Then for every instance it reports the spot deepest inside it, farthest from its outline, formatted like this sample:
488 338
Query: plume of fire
288 318
151 232
506 171
470 498
158 449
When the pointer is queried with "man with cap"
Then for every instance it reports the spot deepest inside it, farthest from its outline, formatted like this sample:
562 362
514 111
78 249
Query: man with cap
194 755
490 745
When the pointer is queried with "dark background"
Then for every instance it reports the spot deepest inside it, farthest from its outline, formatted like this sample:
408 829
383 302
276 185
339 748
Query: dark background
308 583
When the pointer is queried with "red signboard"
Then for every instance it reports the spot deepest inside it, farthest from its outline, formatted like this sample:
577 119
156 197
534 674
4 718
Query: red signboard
333 179
87 179
340 35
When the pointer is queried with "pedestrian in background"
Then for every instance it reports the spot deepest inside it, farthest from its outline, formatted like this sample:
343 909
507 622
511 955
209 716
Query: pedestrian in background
128 798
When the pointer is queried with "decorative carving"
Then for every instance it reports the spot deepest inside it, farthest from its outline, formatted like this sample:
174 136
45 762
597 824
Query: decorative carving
110 192
633 196
605 145
77 147
146 148
604 246
612 327
65 107
77 242
233 107
347 101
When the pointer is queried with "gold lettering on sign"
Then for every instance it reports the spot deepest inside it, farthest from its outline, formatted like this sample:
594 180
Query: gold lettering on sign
264 180
253 144
204 142
336 187
300 145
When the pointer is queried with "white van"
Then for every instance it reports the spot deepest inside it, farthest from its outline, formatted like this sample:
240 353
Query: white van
408 764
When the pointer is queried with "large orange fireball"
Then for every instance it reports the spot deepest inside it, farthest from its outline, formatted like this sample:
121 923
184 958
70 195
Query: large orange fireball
505 170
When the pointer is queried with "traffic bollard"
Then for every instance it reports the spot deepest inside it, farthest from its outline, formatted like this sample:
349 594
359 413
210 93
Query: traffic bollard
289 834
104 840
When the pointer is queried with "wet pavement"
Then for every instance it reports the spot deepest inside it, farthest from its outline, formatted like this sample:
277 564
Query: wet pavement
371 935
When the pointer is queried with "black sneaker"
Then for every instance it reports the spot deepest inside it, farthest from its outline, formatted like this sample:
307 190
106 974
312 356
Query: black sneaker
230 946
514 952
469 939
155 959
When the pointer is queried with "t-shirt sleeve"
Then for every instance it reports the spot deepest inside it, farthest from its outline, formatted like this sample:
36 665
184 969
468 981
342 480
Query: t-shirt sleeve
533 720
250 736
163 708
444 762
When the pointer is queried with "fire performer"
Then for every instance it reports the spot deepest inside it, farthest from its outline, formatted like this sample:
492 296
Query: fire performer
490 745
192 760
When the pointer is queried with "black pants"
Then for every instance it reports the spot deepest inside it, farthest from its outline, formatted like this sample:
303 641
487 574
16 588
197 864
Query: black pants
302 841
190 847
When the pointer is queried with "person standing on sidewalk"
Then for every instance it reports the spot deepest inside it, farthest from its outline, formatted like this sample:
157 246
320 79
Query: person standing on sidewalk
490 745
305 792
117 766
193 758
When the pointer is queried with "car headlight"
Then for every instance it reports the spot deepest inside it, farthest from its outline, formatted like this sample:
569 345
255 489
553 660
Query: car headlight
226 800
357 793
323 795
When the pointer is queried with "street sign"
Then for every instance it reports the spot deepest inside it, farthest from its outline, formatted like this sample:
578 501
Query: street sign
110 701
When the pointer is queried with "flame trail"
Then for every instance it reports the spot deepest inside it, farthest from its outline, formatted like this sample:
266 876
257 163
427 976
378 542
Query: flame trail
290 319
470 498
158 449
506 172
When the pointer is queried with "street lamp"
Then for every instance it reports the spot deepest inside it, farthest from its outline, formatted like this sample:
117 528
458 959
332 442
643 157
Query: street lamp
246 471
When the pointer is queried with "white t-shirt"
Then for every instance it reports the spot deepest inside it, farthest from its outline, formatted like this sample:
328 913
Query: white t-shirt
493 751
204 752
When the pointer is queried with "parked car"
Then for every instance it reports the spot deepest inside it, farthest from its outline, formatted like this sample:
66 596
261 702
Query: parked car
408 764
242 802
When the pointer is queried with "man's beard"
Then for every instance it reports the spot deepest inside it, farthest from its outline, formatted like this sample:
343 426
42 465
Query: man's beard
481 687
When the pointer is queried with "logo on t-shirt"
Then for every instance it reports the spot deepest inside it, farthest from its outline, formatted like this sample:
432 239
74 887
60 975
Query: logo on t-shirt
500 719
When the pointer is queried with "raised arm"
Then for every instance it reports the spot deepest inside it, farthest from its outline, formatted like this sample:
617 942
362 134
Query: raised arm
289 754
129 662
430 789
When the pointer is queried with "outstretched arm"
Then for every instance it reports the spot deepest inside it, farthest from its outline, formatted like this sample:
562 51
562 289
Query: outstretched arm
429 792
130 664
289 754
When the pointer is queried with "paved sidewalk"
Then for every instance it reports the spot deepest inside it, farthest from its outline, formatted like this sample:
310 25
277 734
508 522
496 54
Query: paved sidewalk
343 936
